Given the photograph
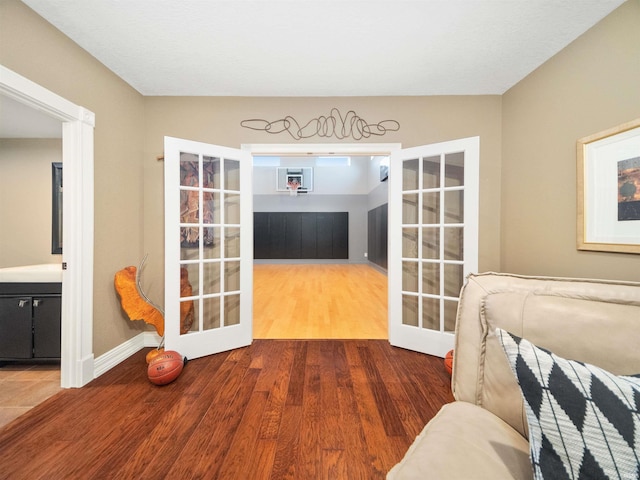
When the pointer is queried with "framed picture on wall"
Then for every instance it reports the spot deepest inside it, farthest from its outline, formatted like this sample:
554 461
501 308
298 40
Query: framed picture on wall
56 208
608 187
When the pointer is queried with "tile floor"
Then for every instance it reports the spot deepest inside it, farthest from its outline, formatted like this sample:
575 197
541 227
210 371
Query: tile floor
22 387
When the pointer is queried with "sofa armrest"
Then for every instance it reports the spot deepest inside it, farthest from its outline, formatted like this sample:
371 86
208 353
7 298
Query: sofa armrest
465 441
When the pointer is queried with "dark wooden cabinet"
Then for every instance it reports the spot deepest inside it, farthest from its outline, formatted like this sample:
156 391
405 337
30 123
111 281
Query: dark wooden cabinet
30 321
377 235
301 235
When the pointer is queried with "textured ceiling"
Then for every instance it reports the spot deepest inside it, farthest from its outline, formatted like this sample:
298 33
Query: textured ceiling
323 47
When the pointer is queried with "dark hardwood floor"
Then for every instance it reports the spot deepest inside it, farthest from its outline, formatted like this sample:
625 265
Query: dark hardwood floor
295 409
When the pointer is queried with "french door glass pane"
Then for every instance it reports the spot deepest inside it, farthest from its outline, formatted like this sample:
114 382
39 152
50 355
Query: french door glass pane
232 242
453 278
431 172
188 243
454 243
211 316
410 310
430 208
211 247
410 242
410 208
431 243
211 207
211 172
195 306
431 278
189 170
454 169
454 206
232 208
450 311
410 276
211 278
231 276
232 175
231 310
410 175
431 313
191 270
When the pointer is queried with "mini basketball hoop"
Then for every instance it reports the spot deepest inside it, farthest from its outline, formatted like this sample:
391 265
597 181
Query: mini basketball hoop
293 186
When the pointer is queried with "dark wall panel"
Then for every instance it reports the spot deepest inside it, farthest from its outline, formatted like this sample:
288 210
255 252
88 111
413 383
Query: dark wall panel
340 235
377 235
301 235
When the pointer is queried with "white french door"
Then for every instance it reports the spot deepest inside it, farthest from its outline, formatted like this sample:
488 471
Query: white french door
433 241
208 248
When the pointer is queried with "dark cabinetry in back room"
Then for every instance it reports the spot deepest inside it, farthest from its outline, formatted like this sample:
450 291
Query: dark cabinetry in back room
377 235
301 235
30 321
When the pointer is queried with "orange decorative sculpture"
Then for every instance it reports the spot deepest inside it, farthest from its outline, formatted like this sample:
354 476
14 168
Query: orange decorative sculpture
138 306
134 301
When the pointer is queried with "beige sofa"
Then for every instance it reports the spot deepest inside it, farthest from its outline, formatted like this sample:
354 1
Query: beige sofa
484 433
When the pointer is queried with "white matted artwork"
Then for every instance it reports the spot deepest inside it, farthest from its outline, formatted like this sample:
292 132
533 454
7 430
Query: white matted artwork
608 181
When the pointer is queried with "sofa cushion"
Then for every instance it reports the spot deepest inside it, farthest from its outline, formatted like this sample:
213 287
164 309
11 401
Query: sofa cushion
464 441
588 307
547 312
584 422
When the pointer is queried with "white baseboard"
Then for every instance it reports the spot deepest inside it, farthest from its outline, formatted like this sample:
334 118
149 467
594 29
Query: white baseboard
113 357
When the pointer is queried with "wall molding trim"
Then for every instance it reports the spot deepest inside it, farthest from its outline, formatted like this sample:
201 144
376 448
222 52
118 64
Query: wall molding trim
113 357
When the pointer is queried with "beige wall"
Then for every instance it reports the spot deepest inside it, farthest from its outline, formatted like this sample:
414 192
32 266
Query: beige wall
423 120
590 86
25 200
33 48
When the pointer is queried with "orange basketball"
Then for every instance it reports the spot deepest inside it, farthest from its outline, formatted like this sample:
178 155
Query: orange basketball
448 362
165 368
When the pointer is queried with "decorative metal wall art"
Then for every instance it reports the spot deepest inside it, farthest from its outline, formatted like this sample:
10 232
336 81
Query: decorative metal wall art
333 125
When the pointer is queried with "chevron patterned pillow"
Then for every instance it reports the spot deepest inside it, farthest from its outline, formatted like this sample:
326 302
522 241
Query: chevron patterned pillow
584 422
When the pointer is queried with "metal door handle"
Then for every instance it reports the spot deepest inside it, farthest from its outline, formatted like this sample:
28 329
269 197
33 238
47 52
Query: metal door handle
22 303
36 302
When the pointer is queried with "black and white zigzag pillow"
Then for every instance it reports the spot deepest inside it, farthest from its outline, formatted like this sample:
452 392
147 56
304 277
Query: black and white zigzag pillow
584 422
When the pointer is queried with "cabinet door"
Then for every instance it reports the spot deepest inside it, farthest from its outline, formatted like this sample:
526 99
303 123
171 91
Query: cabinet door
46 327
15 327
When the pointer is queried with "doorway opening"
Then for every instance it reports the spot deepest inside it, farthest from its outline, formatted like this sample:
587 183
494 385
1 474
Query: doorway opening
76 364
318 297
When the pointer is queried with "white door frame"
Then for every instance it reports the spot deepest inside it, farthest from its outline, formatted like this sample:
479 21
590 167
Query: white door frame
77 362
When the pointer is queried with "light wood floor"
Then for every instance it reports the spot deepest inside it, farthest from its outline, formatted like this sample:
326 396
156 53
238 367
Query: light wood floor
319 301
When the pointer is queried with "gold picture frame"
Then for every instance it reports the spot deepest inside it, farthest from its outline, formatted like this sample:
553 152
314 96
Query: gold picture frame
608 188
